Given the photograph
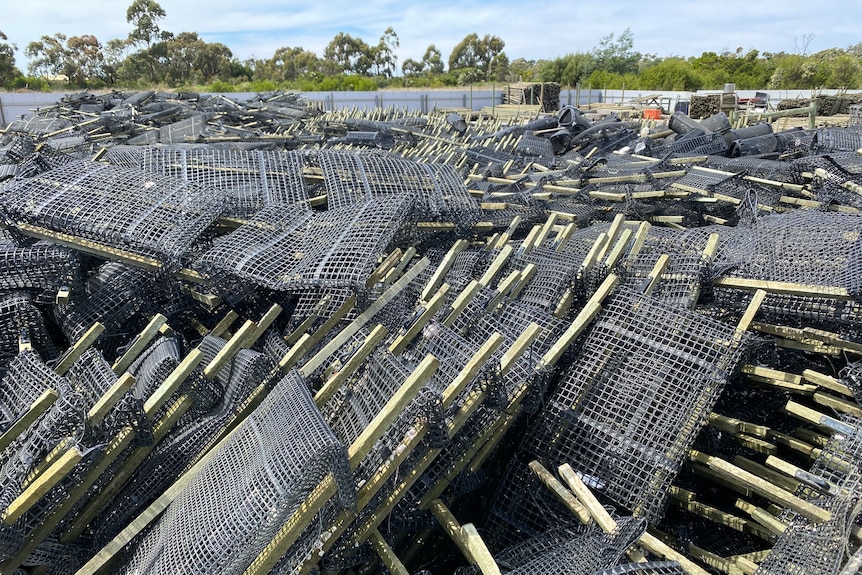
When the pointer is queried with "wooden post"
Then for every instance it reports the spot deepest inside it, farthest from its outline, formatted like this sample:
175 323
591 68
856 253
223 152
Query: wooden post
608 524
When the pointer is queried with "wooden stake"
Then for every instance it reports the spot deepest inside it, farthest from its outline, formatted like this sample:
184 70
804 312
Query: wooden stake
372 340
77 350
466 538
763 487
140 343
344 336
560 492
38 488
608 524
42 404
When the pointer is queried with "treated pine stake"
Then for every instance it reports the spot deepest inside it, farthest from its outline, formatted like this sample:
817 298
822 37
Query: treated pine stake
560 492
466 538
608 525
762 487
357 451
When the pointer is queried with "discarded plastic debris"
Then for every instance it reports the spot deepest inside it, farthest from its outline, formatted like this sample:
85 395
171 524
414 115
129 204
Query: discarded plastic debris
252 337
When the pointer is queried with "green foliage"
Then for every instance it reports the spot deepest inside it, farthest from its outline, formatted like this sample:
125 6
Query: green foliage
144 15
29 83
484 55
348 54
8 71
617 56
150 56
670 74
222 86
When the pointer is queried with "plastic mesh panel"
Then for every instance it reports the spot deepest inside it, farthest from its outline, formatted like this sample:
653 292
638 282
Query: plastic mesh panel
91 376
530 145
250 180
768 169
832 140
358 178
24 382
630 406
154 365
713 143
810 247
285 250
41 266
174 454
154 215
283 450
701 179
114 302
585 552
19 318
38 125
647 568
555 273
679 285
523 508
356 404
819 548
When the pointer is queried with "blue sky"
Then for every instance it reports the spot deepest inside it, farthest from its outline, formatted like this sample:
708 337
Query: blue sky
532 30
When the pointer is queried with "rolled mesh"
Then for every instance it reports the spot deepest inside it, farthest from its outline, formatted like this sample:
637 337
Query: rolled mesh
175 454
26 379
284 450
626 412
152 215
249 180
154 365
42 266
284 250
21 320
117 295
712 143
836 140
821 548
91 376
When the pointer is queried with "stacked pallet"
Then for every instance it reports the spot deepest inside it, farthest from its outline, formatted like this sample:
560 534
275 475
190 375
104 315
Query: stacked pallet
704 106
827 105
544 94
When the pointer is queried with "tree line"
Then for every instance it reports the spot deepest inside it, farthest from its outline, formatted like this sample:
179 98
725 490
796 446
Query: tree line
150 56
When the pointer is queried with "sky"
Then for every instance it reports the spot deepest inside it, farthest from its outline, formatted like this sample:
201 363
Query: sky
531 30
